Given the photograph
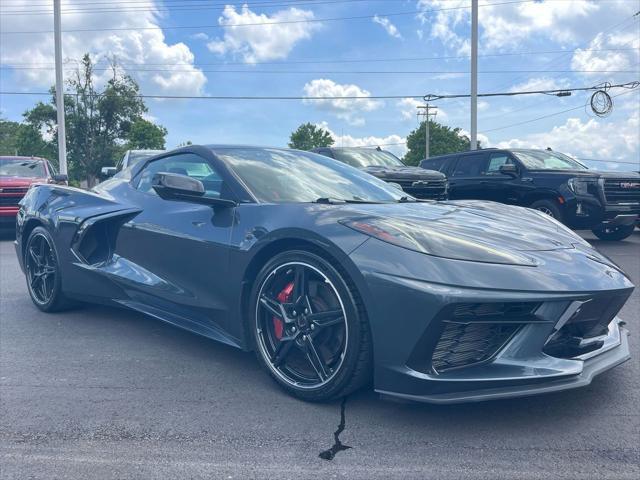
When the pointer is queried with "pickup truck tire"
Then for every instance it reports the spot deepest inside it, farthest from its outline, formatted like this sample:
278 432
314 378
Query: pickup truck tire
549 207
614 234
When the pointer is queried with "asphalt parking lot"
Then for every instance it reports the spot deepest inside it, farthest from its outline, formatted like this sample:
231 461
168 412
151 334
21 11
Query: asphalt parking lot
106 393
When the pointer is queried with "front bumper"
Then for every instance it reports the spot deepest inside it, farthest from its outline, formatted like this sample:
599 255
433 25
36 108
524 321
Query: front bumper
578 374
566 333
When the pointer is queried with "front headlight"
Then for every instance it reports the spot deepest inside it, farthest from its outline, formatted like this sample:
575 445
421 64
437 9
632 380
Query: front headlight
583 186
435 241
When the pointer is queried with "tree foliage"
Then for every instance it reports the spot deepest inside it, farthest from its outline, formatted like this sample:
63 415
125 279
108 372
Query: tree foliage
442 140
309 136
101 123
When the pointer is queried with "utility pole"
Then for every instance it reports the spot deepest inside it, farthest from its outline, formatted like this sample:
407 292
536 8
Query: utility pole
427 115
474 74
62 139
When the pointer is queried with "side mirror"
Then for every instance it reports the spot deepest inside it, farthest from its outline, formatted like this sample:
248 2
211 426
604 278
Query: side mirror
60 178
173 186
106 172
509 169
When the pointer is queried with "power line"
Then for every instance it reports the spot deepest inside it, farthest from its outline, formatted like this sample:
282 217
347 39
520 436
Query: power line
335 72
253 24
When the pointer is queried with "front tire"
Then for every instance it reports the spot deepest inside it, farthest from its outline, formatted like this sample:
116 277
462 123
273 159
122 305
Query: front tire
548 207
614 234
310 330
42 272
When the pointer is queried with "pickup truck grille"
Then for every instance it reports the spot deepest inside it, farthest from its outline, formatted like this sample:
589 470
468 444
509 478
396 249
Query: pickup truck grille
619 191
426 189
10 201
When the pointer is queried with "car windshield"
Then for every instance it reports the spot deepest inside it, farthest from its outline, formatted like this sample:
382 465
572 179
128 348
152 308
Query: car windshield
364 157
278 176
135 157
547 160
22 167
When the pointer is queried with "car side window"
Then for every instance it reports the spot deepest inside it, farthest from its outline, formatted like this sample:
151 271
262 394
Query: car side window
188 164
496 160
438 164
471 166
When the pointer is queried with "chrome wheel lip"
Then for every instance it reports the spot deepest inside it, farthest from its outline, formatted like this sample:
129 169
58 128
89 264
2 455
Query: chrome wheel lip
29 267
261 341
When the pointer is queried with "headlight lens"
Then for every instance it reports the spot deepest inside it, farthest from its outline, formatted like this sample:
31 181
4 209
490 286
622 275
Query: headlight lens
437 242
582 186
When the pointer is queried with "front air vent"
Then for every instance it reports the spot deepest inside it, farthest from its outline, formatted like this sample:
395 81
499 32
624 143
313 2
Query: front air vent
466 344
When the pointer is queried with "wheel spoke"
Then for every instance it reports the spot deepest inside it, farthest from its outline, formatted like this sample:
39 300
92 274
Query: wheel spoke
299 283
35 277
34 256
314 358
326 319
273 306
282 350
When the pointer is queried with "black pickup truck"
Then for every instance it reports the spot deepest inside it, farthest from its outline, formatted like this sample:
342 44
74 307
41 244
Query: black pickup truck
608 203
416 181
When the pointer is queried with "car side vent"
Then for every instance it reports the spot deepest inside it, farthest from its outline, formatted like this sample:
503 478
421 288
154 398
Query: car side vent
95 240
518 311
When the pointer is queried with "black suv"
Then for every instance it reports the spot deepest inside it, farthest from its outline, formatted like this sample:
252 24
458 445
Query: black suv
605 202
416 181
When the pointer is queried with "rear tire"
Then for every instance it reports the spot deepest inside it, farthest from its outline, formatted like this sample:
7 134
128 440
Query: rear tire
318 347
614 234
548 207
42 272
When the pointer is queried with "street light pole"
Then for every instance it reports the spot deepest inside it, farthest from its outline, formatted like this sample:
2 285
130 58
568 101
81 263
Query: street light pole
474 74
62 139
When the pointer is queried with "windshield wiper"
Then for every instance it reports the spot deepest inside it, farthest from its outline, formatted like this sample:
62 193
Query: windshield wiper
334 201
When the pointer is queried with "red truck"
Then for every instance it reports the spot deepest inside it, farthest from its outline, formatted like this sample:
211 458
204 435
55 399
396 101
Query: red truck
17 174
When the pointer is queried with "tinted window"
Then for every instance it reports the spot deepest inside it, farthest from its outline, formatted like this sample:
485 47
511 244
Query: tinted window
496 160
471 165
187 164
22 167
275 175
547 160
435 164
365 157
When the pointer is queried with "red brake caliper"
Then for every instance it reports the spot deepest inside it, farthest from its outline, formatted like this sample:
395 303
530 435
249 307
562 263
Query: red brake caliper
283 297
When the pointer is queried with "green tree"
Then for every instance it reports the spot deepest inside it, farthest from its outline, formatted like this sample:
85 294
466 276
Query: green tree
144 134
309 136
101 122
24 139
442 140
8 137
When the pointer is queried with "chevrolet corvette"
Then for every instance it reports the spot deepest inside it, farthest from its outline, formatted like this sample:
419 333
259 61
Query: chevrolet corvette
334 278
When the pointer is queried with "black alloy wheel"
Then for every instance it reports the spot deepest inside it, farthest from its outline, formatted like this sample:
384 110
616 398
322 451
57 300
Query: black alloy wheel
42 272
548 207
310 333
614 233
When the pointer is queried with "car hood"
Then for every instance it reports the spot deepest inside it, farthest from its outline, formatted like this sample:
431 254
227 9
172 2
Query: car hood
404 172
491 224
588 173
6 181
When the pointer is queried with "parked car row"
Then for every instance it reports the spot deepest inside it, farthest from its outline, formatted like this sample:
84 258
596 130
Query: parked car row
17 174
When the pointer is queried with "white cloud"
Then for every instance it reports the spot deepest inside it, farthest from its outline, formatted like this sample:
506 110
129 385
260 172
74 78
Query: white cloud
263 39
389 27
139 42
483 139
593 138
409 108
609 60
540 83
345 109
199 36
506 26
394 143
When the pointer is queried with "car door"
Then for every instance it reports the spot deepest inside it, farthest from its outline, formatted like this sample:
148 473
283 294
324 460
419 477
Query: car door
467 180
498 186
179 249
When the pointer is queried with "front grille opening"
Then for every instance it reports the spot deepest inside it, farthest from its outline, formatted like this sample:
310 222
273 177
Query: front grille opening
496 312
590 321
465 344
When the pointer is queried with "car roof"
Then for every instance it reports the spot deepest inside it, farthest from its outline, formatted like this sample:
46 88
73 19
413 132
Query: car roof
20 157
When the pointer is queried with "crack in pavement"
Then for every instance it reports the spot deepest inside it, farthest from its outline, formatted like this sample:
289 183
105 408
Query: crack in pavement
338 446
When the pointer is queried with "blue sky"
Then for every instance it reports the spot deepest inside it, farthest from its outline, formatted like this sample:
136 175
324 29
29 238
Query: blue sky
561 43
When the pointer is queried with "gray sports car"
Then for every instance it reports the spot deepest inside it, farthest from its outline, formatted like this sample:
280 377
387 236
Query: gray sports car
331 276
